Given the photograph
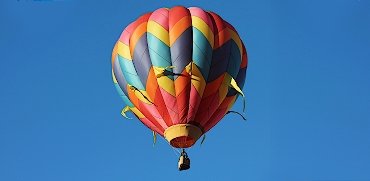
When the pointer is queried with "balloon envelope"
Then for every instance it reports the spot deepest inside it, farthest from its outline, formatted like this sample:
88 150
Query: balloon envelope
179 70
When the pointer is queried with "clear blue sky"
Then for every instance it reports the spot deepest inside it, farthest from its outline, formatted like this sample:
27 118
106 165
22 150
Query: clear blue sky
308 92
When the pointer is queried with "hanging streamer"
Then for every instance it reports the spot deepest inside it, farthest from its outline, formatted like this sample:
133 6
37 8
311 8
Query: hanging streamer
164 71
235 86
133 88
204 138
123 112
154 138
235 112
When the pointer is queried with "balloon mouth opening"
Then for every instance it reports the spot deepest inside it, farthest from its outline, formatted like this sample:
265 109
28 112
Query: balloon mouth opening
182 142
182 135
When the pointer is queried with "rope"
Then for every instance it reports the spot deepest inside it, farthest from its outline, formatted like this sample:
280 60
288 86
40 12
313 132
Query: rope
154 138
237 113
136 89
204 138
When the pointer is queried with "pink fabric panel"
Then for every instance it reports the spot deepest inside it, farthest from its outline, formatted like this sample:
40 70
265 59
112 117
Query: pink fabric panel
150 125
171 105
125 36
161 17
195 11
193 103
183 104
151 109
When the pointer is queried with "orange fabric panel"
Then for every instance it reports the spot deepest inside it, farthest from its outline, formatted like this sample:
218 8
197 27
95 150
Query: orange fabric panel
179 28
136 35
177 13
152 84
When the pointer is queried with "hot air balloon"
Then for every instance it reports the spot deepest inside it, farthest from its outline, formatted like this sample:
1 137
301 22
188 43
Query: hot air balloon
179 70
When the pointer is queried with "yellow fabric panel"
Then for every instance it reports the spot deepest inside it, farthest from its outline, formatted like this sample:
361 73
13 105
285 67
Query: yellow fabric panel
123 50
197 80
167 84
137 112
237 40
164 82
203 27
114 53
224 88
158 31
140 95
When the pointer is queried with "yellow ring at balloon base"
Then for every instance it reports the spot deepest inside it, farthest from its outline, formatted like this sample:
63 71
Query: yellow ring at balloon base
182 135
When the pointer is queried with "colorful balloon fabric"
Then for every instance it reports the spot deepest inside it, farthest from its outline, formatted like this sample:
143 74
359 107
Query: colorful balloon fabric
179 66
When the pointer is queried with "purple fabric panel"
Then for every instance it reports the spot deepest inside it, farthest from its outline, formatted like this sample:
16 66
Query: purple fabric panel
181 51
141 59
